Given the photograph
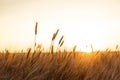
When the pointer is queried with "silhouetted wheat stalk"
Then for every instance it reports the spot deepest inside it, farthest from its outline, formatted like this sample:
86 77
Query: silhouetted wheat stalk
53 39
91 48
36 25
61 42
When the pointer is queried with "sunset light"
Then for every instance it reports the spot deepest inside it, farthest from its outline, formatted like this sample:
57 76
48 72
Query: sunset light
59 39
82 22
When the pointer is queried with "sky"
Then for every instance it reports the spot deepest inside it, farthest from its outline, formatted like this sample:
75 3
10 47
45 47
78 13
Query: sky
82 22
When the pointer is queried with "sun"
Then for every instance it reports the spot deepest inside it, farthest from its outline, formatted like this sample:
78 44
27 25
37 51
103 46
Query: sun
84 48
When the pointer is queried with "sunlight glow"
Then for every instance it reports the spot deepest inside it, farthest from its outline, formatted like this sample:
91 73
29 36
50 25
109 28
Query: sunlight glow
81 22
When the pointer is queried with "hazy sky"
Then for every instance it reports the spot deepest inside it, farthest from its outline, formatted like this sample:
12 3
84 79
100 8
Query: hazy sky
82 22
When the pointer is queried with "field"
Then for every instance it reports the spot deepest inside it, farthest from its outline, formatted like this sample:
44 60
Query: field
60 66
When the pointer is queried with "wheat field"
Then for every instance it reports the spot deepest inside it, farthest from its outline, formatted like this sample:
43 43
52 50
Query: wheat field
60 66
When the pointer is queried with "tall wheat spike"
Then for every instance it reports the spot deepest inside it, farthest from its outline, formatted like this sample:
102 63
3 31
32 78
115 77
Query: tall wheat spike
53 38
61 39
36 25
91 48
61 43
55 34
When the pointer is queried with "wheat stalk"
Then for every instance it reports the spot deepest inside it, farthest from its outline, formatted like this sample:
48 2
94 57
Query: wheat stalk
53 38
61 39
55 34
61 43
36 25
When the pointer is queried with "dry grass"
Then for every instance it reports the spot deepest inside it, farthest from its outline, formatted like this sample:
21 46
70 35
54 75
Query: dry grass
60 66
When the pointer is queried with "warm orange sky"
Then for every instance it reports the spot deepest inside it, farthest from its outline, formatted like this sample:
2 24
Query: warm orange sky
83 22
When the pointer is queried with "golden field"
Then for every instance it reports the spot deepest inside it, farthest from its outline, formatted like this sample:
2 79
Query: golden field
60 66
